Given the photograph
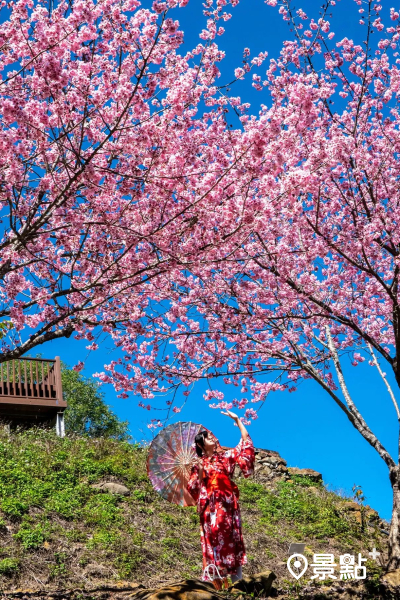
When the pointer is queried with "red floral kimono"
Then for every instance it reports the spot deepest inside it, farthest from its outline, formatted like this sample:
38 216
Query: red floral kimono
217 503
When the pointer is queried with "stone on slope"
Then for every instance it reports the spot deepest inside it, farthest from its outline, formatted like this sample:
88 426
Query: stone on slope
188 589
254 584
195 589
112 488
390 583
313 475
269 467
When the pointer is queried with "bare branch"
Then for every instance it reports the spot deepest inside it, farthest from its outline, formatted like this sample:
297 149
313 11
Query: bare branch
382 374
358 422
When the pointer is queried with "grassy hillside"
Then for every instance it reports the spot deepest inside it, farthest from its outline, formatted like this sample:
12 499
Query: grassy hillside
57 531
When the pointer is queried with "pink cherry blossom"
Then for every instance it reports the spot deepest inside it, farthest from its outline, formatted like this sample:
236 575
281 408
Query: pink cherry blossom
103 192
303 245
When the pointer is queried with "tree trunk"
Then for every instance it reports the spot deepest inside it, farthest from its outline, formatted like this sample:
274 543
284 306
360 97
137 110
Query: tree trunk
394 532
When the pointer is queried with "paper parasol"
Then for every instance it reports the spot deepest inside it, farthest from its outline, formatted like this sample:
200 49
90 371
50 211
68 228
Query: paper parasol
170 460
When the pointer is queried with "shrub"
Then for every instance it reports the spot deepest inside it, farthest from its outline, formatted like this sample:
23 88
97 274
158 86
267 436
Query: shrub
31 535
9 566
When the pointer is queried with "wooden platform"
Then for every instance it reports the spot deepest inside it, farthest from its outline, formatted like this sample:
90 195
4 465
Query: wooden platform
31 392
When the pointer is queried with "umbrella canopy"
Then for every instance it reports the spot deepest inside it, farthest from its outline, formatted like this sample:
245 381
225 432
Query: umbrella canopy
170 459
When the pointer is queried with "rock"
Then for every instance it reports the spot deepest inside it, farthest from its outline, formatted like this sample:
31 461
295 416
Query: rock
391 581
272 461
259 467
112 488
269 467
254 584
313 475
351 506
188 589
372 514
121 584
356 511
281 468
96 570
263 452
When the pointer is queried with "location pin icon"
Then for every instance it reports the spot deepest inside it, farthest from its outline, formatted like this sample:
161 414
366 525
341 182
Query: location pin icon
297 564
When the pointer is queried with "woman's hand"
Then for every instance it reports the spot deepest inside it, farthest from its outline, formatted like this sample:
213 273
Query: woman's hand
231 415
238 422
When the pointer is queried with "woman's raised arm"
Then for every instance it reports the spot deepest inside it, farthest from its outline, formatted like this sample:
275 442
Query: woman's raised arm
238 422
243 454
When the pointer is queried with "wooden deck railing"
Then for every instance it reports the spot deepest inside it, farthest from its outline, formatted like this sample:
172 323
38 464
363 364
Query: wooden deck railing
29 378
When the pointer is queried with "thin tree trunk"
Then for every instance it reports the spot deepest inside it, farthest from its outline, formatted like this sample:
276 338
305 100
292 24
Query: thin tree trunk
394 532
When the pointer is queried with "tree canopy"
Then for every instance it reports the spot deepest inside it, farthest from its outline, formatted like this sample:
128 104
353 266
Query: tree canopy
87 413
117 166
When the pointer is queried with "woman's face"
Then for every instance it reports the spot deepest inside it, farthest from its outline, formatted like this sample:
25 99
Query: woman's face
210 443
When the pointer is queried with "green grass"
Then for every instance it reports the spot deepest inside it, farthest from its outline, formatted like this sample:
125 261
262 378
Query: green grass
58 530
64 531
307 515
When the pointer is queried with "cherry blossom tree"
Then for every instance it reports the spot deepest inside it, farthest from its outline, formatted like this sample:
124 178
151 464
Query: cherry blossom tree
116 161
312 275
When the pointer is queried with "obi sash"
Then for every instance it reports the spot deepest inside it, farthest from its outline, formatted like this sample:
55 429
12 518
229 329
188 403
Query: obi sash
222 483
218 486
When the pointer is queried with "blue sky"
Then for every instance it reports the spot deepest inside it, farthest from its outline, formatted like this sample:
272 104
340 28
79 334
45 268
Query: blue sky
305 427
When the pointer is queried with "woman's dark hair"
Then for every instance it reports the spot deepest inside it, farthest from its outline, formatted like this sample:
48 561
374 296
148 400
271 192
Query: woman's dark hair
199 441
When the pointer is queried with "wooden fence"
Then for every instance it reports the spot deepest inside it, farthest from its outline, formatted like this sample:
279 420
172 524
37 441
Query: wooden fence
24 379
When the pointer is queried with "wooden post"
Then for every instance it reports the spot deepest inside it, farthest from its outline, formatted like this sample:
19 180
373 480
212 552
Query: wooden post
26 379
37 380
31 374
60 427
19 378
57 373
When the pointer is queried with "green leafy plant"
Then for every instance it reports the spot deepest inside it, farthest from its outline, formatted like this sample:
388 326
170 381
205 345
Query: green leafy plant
30 535
58 569
139 495
103 538
359 497
9 566
13 507
171 542
306 481
308 514
127 563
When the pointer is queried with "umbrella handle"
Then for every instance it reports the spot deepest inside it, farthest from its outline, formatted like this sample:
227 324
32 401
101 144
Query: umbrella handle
207 572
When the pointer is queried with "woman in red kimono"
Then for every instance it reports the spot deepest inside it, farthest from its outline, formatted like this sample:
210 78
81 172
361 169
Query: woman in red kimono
217 497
